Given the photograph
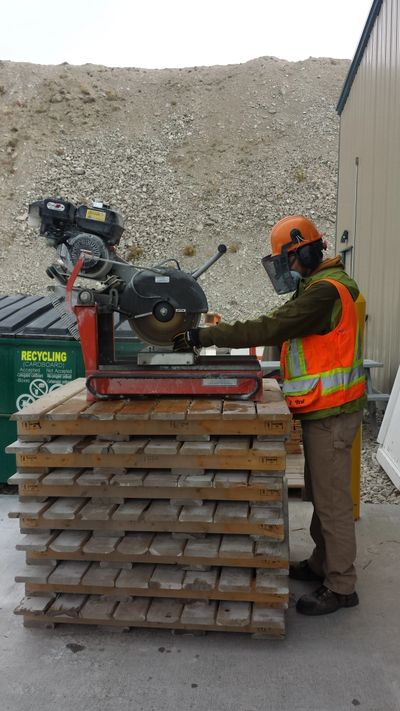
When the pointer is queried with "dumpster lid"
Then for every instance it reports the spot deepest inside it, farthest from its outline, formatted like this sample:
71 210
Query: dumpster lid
25 316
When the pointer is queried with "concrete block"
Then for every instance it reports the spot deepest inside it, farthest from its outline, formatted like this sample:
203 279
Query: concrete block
266 514
274 584
230 478
98 607
161 477
200 580
25 478
232 445
130 510
133 610
35 542
164 611
231 511
93 478
194 448
270 618
101 544
161 511
236 547
101 577
135 543
162 445
233 614
64 508
69 572
206 547
61 477
34 604
138 577
96 510
125 565
199 612
164 545
132 477
69 541
167 577
34 574
28 507
196 479
235 579
134 446
66 605
194 438
204 513
62 445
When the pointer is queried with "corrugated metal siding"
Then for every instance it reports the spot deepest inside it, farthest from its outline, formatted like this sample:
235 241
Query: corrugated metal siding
369 203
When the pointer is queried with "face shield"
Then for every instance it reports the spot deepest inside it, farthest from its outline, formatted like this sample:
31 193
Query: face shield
278 269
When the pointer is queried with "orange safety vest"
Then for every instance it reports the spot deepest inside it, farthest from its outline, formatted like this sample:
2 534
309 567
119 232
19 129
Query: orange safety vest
322 372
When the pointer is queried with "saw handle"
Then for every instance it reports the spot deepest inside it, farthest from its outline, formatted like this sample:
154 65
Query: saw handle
218 254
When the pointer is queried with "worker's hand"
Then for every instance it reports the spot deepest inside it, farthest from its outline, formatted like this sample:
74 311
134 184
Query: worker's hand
187 340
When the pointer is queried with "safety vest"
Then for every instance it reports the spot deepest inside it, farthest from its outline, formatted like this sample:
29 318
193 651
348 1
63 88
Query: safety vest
322 372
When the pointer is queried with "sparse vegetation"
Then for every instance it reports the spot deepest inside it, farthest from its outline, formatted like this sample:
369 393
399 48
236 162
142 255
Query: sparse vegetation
133 253
300 175
189 250
234 247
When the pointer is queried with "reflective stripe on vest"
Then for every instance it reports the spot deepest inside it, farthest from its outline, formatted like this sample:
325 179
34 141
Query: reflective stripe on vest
309 384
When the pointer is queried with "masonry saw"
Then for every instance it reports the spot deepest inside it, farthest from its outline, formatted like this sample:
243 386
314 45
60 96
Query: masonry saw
95 288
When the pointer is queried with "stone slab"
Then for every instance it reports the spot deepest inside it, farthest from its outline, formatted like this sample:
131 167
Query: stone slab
69 572
200 580
138 577
233 614
69 541
235 579
135 543
167 577
164 545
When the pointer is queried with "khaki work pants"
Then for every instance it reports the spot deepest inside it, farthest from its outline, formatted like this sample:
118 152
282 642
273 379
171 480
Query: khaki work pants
327 478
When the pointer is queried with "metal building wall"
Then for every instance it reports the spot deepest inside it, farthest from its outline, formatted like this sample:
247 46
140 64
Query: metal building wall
369 188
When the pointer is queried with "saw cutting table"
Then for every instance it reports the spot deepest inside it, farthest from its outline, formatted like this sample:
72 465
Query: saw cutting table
168 513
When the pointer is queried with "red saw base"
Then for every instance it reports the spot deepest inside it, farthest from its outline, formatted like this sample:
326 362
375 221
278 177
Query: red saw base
228 377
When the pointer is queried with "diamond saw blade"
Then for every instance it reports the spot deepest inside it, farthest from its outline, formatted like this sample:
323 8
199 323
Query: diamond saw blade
161 333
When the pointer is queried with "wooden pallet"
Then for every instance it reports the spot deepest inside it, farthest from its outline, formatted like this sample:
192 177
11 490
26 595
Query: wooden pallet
160 452
213 550
167 513
162 484
168 613
211 583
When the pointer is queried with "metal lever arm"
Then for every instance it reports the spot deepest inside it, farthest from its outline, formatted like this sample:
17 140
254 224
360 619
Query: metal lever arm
200 270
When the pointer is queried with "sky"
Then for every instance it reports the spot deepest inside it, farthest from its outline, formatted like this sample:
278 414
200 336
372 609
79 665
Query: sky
178 33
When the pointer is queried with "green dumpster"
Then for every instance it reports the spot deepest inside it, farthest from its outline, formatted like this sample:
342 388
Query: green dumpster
37 355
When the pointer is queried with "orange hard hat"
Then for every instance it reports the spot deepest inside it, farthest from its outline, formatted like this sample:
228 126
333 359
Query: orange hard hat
295 231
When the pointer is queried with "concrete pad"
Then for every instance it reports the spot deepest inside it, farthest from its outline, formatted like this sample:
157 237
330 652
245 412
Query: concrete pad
335 663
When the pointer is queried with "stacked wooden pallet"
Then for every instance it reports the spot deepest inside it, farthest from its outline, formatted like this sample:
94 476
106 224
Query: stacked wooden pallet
154 513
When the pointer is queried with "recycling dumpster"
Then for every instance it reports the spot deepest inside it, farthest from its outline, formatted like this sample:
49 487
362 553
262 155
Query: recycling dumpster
37 355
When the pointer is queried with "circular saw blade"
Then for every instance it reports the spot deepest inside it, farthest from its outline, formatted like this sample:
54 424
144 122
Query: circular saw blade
161 333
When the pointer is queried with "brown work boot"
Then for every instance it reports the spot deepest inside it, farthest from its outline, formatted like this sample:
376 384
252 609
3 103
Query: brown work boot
302 571
324 601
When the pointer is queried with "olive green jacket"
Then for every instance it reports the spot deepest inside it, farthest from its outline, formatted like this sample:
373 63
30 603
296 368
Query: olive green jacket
310 311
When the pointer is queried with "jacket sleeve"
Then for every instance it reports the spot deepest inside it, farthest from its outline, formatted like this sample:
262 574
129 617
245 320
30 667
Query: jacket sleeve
308 314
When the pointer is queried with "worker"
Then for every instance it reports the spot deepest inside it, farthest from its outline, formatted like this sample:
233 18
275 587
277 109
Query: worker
324 384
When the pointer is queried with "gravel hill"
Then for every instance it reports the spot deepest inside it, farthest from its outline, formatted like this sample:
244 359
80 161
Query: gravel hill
190 157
